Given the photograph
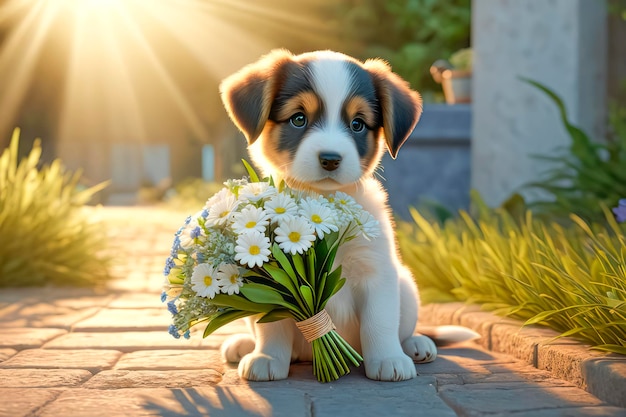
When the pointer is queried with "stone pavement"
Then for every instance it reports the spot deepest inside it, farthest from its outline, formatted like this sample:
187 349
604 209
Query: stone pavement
77 352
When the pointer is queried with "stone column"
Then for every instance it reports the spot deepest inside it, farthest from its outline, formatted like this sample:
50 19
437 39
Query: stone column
559 43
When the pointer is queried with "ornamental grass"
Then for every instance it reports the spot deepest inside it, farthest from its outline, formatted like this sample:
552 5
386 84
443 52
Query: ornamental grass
571 278
45 238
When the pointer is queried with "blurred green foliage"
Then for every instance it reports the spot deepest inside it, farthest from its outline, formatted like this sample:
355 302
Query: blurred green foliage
45 237
410 34
191 194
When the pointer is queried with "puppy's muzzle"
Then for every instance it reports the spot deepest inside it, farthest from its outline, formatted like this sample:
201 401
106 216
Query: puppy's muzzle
329 160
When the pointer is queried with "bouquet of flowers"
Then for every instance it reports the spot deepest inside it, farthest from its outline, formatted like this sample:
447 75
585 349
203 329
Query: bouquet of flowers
263 249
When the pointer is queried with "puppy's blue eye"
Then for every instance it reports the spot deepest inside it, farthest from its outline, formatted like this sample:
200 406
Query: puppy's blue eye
298 120
357 125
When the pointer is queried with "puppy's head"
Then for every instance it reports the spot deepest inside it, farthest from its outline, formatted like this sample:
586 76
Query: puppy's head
320 120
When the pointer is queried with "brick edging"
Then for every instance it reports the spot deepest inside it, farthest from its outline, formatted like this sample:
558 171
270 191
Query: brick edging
601 374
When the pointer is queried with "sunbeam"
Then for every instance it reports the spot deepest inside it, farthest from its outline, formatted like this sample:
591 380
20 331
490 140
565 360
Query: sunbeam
114 73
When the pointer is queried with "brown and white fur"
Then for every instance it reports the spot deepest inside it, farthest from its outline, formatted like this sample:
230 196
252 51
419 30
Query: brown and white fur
321 121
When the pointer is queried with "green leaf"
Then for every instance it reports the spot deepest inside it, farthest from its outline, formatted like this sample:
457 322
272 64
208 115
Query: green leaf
275 315
264 294
298 263
280 256
222 319
281 277
251 172
307 295
240 303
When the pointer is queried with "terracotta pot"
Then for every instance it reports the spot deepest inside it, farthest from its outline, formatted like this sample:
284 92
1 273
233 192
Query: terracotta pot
457 86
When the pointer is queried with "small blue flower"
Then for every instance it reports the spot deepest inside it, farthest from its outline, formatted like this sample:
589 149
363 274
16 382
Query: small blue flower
195 233
173 330
179 231
169 264
620 211
171 307
187 220
163 296
187 335
175 248
200 257
204 214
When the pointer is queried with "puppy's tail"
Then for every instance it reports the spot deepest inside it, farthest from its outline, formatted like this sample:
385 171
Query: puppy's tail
447 335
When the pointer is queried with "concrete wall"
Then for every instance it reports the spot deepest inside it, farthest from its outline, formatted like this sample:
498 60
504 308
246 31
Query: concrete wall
434 164
560 43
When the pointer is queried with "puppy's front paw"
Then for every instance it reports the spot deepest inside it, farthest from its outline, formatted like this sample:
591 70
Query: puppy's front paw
236 347
420 348
262 367
395 368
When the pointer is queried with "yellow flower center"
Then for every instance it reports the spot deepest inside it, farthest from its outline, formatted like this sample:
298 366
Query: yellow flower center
224 214
280 210
342 201
233 278
208 280
250 225
316 219
254 250
294 237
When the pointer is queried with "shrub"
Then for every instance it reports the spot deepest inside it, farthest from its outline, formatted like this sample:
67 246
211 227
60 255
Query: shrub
587 174
572 279
191 193
44 236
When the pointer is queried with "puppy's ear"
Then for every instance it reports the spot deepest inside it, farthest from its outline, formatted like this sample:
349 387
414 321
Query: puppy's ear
401 106
248 94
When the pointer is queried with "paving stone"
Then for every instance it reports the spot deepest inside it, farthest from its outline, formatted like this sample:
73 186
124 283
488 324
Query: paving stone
487 398
203 401
26 338
111 319
42 378
47 315
140 300
606 378
6 354
599 411
89 359
116 379
171 359
131 341
24 402
403 400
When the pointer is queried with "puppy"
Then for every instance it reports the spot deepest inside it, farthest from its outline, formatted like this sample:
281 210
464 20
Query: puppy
321 121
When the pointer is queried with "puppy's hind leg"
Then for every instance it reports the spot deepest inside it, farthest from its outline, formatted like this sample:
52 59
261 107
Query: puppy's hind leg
271 356
236 347
418 347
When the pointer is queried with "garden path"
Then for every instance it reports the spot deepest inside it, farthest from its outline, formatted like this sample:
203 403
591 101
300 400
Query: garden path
77 352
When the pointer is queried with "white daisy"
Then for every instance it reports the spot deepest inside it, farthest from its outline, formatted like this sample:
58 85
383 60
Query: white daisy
295 234
253 248
230 280
280 207
191 233
219 196
256 191
320 216
344 201
204 281
250 218
221 210
370 227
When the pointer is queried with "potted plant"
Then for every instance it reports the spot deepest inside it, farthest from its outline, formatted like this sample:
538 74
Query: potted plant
455 76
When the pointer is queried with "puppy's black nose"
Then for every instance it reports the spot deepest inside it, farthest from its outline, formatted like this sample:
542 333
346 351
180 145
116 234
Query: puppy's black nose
329 160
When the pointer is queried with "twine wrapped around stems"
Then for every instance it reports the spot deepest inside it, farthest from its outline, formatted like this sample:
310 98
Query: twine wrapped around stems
316 326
